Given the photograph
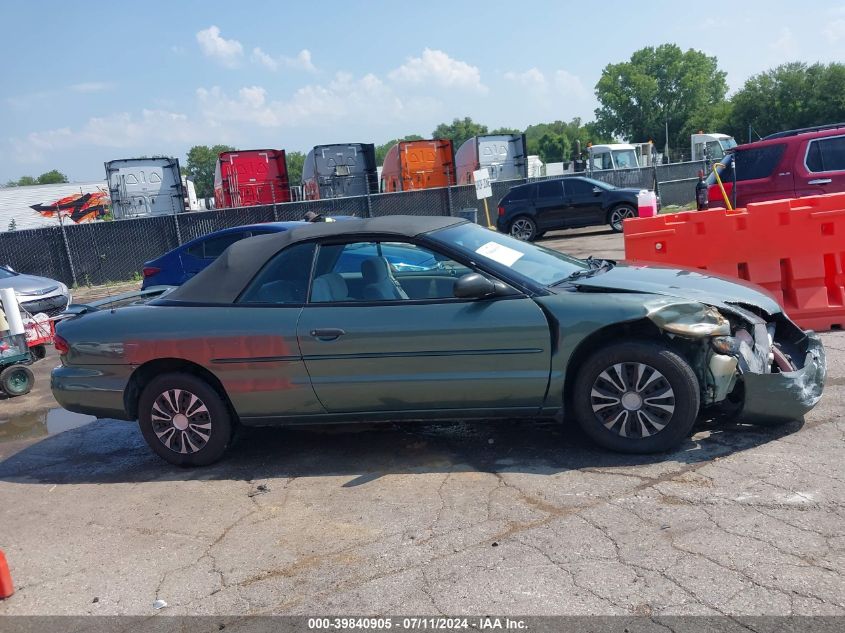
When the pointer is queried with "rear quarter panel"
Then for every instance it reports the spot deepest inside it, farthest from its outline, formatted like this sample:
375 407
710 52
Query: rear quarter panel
252 351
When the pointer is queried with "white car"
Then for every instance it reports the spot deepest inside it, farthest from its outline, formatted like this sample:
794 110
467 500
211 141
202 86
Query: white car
36 295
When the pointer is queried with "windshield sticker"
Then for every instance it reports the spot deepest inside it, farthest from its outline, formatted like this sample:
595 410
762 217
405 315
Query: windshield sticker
499 253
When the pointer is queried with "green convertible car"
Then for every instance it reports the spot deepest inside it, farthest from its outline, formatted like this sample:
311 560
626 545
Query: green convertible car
460 322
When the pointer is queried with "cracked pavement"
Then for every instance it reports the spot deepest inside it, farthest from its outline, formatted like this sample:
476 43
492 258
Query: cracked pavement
512 517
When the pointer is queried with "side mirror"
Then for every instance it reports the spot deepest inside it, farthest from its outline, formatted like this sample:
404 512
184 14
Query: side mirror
596 190
473 286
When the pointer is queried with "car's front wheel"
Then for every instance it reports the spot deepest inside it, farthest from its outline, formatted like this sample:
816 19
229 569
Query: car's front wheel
619 214
636 397
184 420
524 228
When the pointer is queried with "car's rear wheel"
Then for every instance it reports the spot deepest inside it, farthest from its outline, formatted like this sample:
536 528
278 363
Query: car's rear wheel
524 228
184 420
619 214
16 380
636 397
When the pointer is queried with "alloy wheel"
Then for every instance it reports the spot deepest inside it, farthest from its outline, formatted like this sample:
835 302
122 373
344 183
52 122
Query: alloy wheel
181 421
618 215
633 400
522 229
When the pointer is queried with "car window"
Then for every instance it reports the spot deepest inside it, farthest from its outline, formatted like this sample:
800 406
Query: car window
382 271
760 162
549 189
576 187
213 247
284 279
519 193
826 154
602 161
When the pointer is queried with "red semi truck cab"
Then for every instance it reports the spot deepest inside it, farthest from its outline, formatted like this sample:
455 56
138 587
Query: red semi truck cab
251 177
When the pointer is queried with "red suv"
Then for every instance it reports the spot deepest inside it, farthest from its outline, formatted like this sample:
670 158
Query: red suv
791 164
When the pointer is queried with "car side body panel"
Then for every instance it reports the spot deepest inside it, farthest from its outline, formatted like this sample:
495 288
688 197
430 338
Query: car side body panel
428 355
256 359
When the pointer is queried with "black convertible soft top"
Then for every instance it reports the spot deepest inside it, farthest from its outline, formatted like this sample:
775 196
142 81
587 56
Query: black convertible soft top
224 279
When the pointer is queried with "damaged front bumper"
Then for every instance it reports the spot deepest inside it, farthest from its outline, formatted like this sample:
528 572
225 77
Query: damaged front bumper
786 395
761 363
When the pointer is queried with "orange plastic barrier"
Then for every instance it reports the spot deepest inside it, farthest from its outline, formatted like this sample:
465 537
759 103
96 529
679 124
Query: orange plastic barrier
794 248
6 586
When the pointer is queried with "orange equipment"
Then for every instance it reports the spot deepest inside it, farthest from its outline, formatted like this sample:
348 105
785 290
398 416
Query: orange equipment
793 248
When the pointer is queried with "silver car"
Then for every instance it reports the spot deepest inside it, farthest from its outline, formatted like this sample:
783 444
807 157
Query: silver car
36 294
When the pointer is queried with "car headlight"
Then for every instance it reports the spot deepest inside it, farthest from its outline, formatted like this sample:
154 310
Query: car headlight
694 320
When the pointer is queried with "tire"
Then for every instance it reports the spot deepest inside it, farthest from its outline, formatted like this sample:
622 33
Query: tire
197 439
16 380
523 228
619 213
657 408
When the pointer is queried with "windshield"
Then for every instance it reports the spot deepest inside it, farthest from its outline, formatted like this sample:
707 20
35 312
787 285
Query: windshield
727 143
625 158
531 262
5 273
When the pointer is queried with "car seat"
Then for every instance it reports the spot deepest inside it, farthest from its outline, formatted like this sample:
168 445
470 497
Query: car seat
379 283
329 287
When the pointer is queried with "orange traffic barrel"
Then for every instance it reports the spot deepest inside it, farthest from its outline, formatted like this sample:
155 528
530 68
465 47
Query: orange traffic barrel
6 587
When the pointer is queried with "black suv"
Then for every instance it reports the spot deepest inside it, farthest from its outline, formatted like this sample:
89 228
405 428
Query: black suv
528 211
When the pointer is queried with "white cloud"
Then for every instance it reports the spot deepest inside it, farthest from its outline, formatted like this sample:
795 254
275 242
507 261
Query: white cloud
435 66
345 98
569 84
122 130
227 52
531 78
561 82
302 60
785 45
835 31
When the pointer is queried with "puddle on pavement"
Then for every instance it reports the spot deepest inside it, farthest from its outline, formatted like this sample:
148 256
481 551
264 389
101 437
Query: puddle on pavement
29 426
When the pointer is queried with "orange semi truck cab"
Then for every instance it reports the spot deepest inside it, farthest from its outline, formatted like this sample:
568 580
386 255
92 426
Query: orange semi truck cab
410 165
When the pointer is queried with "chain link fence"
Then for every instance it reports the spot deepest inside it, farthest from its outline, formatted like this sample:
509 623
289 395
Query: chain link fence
102 252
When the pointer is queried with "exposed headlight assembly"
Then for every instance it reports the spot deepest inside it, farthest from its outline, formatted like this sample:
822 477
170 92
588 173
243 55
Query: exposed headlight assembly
693 320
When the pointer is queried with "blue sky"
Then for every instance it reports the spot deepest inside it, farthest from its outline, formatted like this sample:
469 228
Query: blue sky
87 82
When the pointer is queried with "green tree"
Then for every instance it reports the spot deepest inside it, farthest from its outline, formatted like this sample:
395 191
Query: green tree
295 161
52 177
790 96
658 86
46 178
459 130
561 144
505 130
200 167
553 148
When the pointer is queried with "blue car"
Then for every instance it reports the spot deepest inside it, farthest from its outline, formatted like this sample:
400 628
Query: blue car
177 266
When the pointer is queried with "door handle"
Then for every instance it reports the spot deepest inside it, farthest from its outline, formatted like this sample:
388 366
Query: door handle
820 181
327 334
